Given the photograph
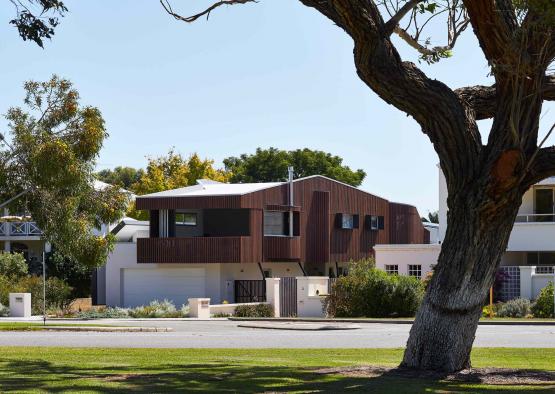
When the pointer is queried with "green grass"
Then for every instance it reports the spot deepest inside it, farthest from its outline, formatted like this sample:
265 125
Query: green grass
238 370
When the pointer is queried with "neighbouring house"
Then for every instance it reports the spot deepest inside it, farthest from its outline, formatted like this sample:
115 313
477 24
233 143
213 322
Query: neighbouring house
221 240
526 267
19 233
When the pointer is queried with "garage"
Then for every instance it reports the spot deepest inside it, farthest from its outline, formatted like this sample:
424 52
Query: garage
140 286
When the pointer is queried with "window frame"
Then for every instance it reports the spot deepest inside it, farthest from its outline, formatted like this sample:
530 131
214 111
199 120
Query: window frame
283 222
184 222
390 270
415 270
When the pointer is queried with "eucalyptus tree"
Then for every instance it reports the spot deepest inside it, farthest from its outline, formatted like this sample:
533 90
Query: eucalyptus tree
485 179
47 163
36 20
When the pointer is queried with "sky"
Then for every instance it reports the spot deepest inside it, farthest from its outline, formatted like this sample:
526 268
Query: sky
270 74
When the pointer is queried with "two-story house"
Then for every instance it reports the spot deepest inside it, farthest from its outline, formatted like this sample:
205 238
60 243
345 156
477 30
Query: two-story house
202 239
527 265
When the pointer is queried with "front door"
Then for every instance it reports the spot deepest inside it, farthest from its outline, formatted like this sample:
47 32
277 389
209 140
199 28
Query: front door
544 205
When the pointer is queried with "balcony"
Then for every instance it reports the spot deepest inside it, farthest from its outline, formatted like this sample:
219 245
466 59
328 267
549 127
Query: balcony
19 229
284 248
533 232
198 250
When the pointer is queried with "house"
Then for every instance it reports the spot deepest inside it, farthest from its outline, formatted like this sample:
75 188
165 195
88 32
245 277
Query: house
527 265
217 240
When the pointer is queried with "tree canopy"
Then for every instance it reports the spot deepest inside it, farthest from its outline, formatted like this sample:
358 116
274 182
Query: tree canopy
124 177
270 165
46 170
174 171
36 20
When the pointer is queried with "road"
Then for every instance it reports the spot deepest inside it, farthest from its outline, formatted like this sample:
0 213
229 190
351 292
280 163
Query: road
227 334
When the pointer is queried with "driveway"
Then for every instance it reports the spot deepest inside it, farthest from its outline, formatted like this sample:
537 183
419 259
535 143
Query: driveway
227 334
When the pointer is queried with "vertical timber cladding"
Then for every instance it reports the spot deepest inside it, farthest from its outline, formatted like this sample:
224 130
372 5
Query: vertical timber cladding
405 225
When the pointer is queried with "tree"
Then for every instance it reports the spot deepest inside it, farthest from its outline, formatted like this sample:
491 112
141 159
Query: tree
173 171
270 165
433 217
123 177
485 180
47 170
35 25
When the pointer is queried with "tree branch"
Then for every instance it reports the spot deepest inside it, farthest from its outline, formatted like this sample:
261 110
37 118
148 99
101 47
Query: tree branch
395 19
192 18
494 22
483 99
542 163
431 103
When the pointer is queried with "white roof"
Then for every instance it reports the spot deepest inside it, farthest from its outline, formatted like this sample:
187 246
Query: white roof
212 188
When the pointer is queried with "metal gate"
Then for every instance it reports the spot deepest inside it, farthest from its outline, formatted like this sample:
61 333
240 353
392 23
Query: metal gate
288 297
250 291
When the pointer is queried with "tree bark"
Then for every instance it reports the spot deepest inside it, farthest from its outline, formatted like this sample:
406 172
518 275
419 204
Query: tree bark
443 332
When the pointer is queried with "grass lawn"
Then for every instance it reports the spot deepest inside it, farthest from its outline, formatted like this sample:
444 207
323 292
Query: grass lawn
240 370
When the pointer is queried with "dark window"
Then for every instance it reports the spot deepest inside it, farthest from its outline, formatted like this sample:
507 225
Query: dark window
275 223
186 219
415 270
392 269
346 221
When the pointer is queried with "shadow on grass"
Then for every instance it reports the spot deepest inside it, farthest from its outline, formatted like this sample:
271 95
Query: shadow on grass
24 375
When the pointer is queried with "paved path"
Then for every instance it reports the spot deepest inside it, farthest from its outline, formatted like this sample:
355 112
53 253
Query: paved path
227 334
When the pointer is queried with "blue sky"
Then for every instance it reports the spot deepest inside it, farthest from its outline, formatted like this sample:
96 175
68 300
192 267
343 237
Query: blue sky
268 74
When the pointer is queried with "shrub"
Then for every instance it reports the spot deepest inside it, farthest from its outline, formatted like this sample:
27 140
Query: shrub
372 292
104 313
519 307
4 311
13 265
543 307
258 310
58 293
158 309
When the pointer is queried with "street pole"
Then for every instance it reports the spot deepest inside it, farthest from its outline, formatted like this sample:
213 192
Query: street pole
44 288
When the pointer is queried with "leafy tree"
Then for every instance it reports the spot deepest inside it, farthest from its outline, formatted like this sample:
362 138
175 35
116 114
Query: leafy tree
13 265
270 165
485 179
37 19
173 171
76 275
124 177
47 170
433 217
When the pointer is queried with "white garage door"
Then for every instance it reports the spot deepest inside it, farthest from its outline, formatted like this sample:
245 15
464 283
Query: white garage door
141 286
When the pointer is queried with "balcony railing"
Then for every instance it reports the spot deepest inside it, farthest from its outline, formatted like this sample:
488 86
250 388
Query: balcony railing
536 218
282 248
19 229
544 269
198 250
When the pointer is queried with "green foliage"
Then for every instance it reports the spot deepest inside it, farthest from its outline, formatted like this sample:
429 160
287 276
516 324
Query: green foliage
258 310
543 307
4 311
519 307
369 292
13 265
74 274
58 293
156 309
173 171
123 177
433 217
104 313
35 26
270 165
54 147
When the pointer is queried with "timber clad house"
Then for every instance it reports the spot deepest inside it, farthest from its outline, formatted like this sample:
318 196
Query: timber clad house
205 240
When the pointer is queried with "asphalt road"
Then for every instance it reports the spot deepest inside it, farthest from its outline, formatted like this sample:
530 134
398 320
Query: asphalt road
227 334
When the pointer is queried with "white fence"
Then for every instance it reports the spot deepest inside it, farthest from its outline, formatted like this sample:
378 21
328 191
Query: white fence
19 229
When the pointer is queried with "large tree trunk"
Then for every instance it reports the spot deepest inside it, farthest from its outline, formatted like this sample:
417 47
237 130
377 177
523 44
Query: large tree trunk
477 235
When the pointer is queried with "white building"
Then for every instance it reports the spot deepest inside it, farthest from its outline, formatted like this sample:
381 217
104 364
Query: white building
527 265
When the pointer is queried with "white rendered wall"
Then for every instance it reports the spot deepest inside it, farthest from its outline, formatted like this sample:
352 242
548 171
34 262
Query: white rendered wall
403 255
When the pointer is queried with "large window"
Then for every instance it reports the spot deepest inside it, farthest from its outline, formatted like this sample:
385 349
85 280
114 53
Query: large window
275 223
415 270
346 221
186 219
392 269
